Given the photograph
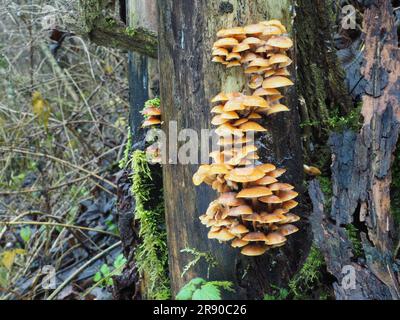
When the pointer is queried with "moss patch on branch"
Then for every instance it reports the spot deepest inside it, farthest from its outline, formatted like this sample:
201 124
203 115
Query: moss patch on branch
100 22
152 255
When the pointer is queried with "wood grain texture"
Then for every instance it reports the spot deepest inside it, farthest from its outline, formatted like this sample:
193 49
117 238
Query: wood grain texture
361 167
188 81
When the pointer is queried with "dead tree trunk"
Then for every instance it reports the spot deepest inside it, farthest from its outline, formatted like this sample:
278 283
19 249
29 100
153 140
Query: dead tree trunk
188 81
361 174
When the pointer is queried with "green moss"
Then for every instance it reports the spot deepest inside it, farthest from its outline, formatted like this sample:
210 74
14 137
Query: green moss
351 121
355 239
395 187
326 187
308 279
152 255
130 31
153 103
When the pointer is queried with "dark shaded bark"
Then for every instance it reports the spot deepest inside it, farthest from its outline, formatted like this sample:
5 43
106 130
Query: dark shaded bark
188 81
320 76
361 170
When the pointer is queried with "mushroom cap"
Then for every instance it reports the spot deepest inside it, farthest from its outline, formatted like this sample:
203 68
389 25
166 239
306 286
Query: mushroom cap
272 30
254 236
280 186
277 108
220 52
267 180
259 62
223 235
220 97
254 192
240 121
226 43
254 115
233 56
274 22
238 229
247 174
218 109
254 29
286 195
279 58
231 32
234 105
225 222
255 217
290 217
282 72
255 81
249 70
240 48
274 238
276 82
151 121
229 115
151 111
287 229
271 217
200 175
288 205
239 243
253 250
255 101
272 199
234 63
276 173
229 199
281 42
249 56
219 59
227 129
252 41
312 171
242 210
219 168
218 120
266 167
266 92
251 126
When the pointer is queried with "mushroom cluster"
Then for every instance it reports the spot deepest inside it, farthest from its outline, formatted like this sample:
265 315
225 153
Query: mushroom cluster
253 207
152 117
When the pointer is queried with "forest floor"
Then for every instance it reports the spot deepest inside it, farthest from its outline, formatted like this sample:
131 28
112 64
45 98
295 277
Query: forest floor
63 125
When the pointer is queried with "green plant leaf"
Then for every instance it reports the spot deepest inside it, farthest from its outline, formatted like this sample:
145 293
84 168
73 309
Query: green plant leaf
187 290
97 277
207 292
25 233
105 270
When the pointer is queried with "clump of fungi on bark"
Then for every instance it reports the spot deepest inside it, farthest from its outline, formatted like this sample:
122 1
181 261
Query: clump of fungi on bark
253 207
152 118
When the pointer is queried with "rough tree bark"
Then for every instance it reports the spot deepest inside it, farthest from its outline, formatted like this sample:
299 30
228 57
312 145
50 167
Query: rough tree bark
101 21
361 172
320 76
188 81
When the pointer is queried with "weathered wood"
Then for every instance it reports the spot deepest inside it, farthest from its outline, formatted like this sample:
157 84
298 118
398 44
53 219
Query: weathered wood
361 167
100 20
188 81
338 250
